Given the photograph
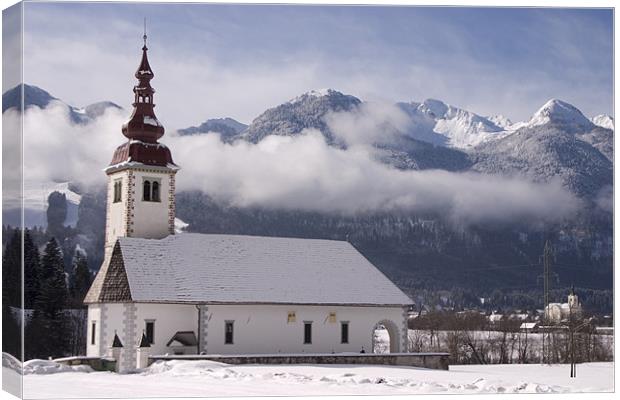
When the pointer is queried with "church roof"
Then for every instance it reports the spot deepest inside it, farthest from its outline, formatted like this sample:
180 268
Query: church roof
228 269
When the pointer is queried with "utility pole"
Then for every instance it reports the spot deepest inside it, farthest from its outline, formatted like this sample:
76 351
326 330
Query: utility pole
573 327
547 254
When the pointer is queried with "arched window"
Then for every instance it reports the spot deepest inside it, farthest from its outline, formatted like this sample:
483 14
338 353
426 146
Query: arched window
155 192
117 191
147 191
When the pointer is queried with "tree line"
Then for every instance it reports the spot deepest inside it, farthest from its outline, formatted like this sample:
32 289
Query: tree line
52 297
470 338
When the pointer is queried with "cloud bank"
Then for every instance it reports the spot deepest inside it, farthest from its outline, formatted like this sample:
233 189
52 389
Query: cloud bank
294 173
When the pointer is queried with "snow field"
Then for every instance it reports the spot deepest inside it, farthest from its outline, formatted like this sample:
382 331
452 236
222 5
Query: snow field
209 378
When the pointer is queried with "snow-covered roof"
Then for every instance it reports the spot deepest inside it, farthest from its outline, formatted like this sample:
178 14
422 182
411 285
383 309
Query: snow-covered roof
212 268
495 317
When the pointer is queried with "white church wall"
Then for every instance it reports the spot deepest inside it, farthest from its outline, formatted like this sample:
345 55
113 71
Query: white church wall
108 318
258 329
94 315
113 322
264 329
168 319
147 219
150 218
116 216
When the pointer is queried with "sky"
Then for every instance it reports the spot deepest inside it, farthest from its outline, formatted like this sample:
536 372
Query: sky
214 61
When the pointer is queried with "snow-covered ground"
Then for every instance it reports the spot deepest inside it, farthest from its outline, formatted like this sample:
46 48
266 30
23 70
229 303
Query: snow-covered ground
209 379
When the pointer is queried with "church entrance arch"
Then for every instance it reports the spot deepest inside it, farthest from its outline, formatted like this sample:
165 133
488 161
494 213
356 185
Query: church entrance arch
385 337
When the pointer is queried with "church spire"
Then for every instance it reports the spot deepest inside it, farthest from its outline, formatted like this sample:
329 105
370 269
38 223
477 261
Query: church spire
143 124
143 129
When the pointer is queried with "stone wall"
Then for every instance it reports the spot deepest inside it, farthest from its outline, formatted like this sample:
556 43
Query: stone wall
423 360
96 363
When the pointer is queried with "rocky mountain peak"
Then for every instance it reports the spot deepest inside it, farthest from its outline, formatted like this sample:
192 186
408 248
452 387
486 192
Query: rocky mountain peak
604 121
561 113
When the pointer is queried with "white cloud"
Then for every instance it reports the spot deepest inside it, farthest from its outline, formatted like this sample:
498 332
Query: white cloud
292 173
369 123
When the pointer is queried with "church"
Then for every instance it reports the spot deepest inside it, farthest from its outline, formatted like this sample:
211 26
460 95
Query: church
220 294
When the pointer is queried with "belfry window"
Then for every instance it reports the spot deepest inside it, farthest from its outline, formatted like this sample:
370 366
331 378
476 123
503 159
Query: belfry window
155 191
147 191
151 189
117 191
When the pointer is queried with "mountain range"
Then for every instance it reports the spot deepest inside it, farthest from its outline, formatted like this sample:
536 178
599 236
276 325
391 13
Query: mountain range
34 96
558 142
419 251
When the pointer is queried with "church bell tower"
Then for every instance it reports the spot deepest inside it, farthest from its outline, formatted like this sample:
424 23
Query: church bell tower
141 175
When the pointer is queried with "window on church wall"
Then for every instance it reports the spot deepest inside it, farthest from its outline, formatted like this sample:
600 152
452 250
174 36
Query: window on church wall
151 190
344 332
155 191
149 331
117 191
147 191
307 332
93 330
229 332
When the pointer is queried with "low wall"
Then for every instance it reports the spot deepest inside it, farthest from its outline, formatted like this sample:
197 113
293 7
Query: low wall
96 363
423 360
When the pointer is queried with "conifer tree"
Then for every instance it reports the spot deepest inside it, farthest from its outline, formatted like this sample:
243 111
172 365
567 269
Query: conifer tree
80 278
32 266
11 332
47 334
53 291
12 271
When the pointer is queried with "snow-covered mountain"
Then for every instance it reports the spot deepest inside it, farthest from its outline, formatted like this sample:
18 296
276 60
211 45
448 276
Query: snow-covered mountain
563 115
96 110
569 119
443 124
546 151
305 111
37 97
405 150
558 141
228 128
501 121
33 96
604 121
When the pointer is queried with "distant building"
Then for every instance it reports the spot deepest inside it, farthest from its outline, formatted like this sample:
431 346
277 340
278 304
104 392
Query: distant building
529 327
555 313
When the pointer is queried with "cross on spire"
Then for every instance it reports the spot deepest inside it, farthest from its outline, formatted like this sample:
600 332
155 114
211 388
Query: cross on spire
144 37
